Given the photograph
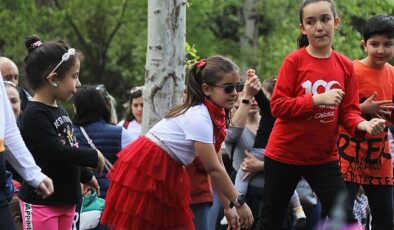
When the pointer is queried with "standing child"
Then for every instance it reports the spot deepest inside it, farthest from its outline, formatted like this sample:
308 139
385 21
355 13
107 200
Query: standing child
266 123
149 184
367 162
19 157
316 90
52 70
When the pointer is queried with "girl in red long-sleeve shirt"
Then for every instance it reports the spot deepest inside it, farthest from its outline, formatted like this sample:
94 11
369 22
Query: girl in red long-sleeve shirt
316 90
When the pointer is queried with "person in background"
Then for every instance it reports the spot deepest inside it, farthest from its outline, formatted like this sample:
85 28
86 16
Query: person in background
11 73
241 135
13 96
367 162
111 103
133 116
93 113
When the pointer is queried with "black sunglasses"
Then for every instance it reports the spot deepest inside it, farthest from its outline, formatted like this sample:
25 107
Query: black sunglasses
230 88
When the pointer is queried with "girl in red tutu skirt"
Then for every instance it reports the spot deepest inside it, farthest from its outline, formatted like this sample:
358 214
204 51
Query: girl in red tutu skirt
149 184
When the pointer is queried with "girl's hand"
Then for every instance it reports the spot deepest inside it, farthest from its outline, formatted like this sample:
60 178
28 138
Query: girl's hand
374 126
232 219
45 188
332 97
245 216
100 164
94 184
383 107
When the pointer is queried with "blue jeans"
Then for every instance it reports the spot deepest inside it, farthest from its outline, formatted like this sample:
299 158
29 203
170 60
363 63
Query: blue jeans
200 212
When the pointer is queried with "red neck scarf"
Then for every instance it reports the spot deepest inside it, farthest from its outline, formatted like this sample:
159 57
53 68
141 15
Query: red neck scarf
218 117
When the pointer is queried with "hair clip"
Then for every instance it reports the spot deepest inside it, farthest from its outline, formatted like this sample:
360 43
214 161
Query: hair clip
36 44
70 52
201 63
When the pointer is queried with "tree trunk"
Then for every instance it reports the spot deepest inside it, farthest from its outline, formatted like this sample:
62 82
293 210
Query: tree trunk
249 39
165 60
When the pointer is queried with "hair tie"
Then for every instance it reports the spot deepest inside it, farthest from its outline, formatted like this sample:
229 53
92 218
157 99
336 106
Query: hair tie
201 63
36 44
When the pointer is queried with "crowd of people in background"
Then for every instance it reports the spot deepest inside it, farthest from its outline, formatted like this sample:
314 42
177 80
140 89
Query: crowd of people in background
311 148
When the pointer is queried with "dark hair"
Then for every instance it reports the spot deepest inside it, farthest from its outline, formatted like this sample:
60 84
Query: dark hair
381 24
269 84
42 58
90 106
210 74
135 92
302 39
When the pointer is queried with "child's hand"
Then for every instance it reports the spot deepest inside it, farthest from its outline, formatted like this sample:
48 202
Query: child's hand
45 188
374 126
245 216
94 185
332 97
232 218
383 107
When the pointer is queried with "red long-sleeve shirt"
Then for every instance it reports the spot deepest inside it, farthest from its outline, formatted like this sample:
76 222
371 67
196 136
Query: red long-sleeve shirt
304 134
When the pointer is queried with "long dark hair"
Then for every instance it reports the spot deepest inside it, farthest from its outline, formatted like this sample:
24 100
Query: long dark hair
90 106
42 58
302 39
211 73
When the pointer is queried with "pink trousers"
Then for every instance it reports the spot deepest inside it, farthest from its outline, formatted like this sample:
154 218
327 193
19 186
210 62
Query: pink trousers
40 217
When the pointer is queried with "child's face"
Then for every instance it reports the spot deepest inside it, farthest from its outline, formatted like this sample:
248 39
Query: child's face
380 49
137 105
217 93
319 24
68 85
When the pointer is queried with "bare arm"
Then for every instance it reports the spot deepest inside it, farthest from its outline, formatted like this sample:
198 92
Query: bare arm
221 180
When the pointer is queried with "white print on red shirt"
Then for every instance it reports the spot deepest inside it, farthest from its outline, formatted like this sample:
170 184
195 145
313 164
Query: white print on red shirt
325 113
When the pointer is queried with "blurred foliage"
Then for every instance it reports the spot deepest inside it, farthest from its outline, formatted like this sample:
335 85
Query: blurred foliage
278 25
112 34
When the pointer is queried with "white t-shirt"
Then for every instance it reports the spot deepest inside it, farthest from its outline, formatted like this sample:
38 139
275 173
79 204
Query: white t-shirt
134 128
178 133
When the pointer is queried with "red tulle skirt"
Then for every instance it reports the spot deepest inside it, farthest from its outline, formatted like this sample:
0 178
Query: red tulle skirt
148 191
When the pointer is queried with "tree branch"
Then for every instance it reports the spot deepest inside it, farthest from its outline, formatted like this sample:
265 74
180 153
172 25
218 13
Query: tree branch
73 25
112 35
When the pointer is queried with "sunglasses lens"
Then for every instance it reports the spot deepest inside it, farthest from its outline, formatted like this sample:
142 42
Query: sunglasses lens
239 88
229 89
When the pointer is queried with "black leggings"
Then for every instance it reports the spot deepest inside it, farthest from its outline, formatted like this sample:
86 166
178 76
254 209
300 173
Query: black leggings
6 221
281 180
380 200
